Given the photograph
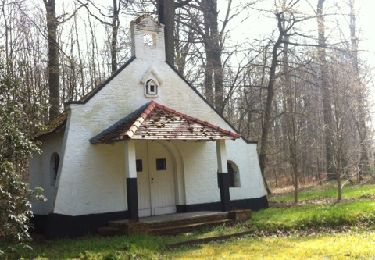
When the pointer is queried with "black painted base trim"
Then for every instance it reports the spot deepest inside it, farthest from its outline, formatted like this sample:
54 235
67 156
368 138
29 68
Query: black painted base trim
253 204
132 197
224 181
57 225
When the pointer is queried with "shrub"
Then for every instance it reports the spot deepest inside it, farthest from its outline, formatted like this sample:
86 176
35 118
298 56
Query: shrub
15 149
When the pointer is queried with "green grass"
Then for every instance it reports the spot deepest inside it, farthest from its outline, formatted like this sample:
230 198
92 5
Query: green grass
272 219
329 191
360 213
359 244
120 247
323 246
309 216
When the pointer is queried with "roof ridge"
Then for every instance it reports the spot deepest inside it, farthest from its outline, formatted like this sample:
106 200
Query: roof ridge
128 127
197 120
141 118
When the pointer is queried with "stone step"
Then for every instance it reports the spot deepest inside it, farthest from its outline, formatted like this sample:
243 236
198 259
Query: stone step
187 221
109 231
182 228
167 221
119 223
174 223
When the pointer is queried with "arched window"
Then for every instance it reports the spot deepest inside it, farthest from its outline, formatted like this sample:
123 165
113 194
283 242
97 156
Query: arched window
54 167
234 173
151 88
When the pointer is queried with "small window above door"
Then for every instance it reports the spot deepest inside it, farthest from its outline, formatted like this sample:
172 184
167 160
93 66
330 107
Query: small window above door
139 165
151 81
151 88
161 164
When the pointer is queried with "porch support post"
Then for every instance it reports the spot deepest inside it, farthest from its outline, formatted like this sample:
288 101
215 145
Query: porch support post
131 180
222 174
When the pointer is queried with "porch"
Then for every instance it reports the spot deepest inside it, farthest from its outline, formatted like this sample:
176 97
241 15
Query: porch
154 179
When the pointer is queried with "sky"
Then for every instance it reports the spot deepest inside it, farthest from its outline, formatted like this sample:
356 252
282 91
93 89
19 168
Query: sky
366 22
259 24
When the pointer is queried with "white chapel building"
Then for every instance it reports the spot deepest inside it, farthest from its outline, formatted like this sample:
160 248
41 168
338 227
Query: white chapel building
143 143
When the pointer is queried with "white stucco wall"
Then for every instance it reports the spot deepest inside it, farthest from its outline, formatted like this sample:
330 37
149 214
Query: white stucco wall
40 172
92 178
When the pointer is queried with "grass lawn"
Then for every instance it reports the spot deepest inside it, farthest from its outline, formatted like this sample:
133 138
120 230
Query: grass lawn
310 216
119 247
329 190
358 244
321 246
359 215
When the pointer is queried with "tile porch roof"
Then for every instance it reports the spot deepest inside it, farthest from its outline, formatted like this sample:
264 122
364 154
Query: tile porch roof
153 121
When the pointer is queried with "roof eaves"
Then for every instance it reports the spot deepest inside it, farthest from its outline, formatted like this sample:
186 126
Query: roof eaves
137 117
133 116
55 125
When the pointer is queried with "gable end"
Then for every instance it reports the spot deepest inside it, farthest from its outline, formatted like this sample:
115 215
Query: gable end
91 94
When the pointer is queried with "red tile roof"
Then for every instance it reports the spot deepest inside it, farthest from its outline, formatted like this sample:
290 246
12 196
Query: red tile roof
153 121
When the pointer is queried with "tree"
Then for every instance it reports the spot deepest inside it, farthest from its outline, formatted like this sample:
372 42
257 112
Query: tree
54 54
15 149
166 14
326 93
53 59
290 109
213 47
343 104
359 92
267 120
115 26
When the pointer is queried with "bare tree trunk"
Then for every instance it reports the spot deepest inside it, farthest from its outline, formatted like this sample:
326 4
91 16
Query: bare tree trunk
208 70
53 59
338 172
268 106
208 83
115 27
362 115
216 58
214 68
7 43
166 10
290 117
82 92
326 93
182 48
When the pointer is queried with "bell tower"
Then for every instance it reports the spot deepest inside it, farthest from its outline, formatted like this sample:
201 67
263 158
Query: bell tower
147 37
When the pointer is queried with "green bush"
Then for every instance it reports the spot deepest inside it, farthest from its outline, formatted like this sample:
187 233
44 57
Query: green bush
15 149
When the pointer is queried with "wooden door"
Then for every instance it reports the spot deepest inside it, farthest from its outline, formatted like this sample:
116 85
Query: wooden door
156 183
161 172
144 195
